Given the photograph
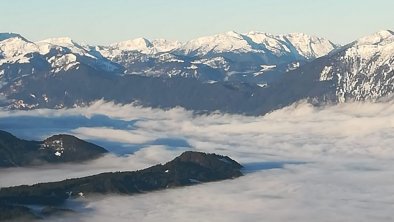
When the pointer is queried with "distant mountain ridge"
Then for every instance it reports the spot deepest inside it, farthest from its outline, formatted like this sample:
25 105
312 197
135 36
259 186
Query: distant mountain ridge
225 56
227 72
305 46
213 58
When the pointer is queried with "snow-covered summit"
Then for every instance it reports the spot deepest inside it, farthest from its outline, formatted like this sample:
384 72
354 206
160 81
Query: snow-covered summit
138 44
299 44
378 46
270 42
378 38
61 41
224 42
8 35
164 45
310 47
14 47
141 45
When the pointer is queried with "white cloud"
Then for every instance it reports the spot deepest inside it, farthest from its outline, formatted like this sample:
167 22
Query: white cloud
111 135
346 149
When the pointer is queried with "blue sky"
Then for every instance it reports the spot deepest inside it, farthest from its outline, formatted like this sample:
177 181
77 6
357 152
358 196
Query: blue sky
106 21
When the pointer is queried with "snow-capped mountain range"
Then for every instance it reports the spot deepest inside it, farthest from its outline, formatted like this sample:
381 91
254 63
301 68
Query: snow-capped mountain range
60 53
249 73
297 44
226 56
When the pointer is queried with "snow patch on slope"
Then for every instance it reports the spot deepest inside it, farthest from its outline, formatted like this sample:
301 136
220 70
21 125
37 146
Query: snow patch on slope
364 70
64 62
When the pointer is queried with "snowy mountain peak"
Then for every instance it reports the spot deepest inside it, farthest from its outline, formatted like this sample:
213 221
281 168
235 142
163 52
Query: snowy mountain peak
224 42
378 47
138 44
164 45
378 38
9 35
60 41
300 35
234 34
300 44
14 46
302 38
143 45
310 47
256 33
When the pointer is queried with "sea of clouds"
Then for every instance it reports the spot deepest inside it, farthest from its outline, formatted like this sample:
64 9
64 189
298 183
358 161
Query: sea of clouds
302 163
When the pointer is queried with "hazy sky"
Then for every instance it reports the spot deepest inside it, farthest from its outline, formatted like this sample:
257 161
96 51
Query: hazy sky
106 21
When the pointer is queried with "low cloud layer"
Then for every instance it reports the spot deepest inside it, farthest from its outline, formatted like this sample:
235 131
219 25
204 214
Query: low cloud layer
335 162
